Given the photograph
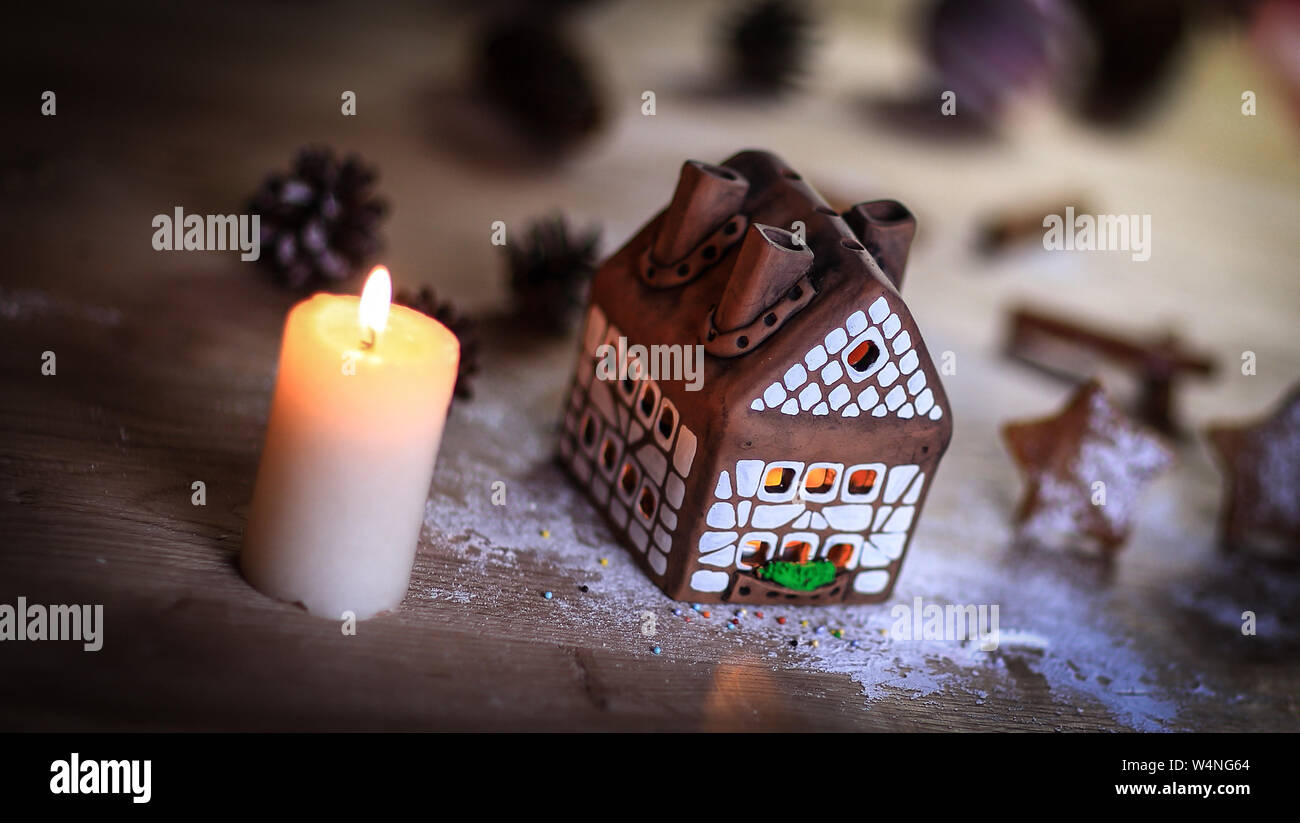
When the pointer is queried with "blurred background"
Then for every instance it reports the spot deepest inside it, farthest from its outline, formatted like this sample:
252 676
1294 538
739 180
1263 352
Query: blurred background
980 115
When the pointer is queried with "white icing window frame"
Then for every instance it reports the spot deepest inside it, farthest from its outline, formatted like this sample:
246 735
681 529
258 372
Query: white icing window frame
870 497
780 497
772 542
821 497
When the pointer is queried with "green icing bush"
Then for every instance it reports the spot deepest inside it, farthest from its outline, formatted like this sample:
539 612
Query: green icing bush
802 577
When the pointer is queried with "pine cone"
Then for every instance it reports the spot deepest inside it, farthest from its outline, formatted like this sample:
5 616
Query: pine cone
768 44
549 271
320 222
529 70
463 326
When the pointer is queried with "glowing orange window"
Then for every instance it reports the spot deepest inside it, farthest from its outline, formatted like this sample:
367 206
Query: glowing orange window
778 480
862 481
840 554
797 551
819 481
754 552
629 478
864 356
647 503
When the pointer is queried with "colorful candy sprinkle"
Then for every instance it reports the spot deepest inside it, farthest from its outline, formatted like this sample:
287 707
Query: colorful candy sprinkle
547 595
781 620
656 650
604 561
546 532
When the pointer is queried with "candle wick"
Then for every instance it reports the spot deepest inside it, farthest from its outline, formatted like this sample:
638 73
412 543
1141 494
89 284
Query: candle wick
370 343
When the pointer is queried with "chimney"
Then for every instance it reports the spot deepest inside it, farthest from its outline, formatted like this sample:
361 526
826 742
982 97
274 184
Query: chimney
769 263
705 198
886 228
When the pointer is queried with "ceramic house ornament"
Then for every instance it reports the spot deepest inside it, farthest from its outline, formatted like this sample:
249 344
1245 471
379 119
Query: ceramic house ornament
793 465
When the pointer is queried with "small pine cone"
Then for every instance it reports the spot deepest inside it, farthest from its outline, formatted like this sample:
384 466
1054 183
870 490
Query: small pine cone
768 44
463 326
530 71
549 271
320 222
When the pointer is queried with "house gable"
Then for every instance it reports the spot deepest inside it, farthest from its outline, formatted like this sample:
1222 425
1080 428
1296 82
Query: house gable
867 365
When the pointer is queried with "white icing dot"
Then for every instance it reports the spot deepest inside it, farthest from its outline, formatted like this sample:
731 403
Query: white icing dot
895 397
685 453
890 545
711 541
810 395
795 376
721 516
707 581
879 309
723 490
916 382
891 326
839 396
658 561
903 342
899 477
924 401
832 372
816 357
722 557
674 490
914 493
900 520
908 363
871 582
774 396
640 537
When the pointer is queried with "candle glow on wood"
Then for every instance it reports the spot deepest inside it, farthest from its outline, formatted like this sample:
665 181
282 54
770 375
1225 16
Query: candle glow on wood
360 401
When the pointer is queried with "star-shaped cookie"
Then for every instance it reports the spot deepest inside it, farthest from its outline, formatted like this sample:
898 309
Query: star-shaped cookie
1084 470
1261 463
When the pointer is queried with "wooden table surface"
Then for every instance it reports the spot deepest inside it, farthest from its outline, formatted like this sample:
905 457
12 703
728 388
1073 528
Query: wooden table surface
165 362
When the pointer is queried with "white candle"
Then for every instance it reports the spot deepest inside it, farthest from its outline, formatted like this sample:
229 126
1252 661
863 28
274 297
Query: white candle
356 419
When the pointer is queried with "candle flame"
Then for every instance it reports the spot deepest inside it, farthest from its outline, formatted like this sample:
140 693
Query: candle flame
375 300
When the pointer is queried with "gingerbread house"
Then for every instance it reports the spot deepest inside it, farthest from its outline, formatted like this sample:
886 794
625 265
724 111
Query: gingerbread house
794 467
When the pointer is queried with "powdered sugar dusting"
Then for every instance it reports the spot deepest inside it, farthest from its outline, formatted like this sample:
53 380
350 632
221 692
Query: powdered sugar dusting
1062 627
